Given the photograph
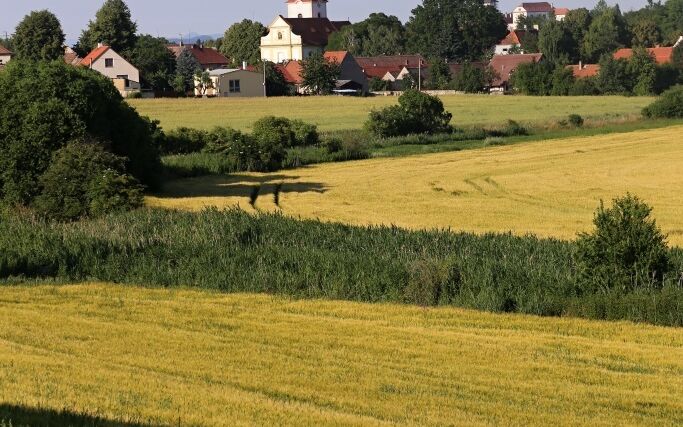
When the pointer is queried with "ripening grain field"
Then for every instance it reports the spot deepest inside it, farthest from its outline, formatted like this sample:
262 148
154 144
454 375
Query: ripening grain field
342 113
549 188
198 358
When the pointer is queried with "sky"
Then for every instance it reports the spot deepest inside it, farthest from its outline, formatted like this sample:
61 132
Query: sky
169 18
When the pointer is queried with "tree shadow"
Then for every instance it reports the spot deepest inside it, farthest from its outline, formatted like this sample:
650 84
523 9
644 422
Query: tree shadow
21 416
240 186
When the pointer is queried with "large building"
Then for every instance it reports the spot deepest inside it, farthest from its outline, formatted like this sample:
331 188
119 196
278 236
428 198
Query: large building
535 10
305 30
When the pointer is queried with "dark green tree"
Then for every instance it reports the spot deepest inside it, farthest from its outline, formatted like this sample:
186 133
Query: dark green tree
112 26
187 67
242 42
39 37
556 43
614 77
606 33
379 34
318 75
454 29
645 33
156 63
439 75
678 56
472 79
534 78
529 42
643 72
577 23
276 85
673 25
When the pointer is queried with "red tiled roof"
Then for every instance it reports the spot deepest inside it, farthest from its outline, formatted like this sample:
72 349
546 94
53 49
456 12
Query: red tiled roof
4 50
662 55
206 56
291 71
378 66
505 65
71 57
336 56
94 55
584 70
456 68
515 37
561 11
538 7
314 31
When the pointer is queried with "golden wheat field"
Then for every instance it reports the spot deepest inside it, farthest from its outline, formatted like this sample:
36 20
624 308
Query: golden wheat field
341 113
197 358
549 188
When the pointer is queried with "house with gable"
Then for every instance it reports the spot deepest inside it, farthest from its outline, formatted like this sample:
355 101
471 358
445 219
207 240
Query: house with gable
504 67
536 10
305 30
512 42
109 63
5 55
351 76
209 58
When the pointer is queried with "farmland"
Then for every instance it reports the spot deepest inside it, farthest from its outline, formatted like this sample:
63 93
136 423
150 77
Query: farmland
549 188
198 358
343 113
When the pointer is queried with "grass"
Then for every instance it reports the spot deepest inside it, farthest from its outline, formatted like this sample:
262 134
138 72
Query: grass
136 355
549 188
343 113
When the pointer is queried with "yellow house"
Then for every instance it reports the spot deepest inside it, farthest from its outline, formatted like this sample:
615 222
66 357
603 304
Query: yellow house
232 83
306 30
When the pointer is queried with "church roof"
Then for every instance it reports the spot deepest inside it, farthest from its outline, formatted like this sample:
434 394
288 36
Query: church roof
314 31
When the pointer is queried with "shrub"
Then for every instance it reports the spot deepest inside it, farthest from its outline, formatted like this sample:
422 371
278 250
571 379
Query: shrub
46 105
668 105
274 130
585 86
85 180
626 251
305 134
379 85
415 113
220 139
334 145
575 120
184 141
515 129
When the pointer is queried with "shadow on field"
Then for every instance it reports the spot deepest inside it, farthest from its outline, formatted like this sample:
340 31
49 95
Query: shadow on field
20 416
239 186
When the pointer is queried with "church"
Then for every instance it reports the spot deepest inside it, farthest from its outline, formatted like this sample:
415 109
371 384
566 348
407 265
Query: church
305 30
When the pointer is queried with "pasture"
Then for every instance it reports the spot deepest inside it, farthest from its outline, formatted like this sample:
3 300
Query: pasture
549 188
343 113
181 357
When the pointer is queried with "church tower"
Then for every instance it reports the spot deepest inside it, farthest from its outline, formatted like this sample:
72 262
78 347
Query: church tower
307 8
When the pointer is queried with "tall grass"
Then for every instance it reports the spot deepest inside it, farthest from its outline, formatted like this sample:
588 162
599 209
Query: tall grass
232 251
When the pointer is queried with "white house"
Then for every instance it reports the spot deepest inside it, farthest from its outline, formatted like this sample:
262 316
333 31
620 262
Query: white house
5 55
107 62
536 10
232 83
305 30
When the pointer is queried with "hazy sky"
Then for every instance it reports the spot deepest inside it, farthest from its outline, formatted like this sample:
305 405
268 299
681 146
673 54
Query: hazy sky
171 17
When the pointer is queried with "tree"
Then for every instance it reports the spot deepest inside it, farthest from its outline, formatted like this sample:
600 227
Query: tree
113 26
577 23
187 67
318 75
379 34
606 34
39 37
643 72
454 29
242 42
472 79
203 82
678 56
156 63
47 105
534 78
275 80
674 20
614 78
529 42
439 74
416 113
646 33
556 43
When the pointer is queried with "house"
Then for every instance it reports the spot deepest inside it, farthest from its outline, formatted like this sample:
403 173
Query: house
350 71
305 30
351 77
379 66
582 70
5 55
71 57
537 10
512 42
209 58
107 62
233 83
505 65
661 55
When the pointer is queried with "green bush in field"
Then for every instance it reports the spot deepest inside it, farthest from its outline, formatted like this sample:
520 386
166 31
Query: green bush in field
84 180
184 141
576 120
626 251
45 105
288 133
416 113
305 134
668 105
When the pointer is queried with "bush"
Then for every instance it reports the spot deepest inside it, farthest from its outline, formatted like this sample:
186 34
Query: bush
288 133
379 85
585 86
184 141
46 105
305 134
415 113
84 180
576 120
668 105
627 251
334 145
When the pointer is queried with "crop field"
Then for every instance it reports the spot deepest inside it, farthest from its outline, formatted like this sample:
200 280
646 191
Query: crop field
549 188
183 357
342 113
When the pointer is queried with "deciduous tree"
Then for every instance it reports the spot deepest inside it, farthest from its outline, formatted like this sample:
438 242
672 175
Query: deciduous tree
39 36
156 63
319 75
112 26
242 42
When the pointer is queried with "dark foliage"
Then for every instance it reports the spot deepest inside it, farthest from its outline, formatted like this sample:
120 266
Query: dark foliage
415 113
39 37
668 105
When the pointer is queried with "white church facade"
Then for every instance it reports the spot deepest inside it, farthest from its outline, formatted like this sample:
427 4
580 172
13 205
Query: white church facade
305 30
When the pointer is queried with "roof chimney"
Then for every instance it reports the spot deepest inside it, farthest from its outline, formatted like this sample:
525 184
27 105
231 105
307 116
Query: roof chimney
100 44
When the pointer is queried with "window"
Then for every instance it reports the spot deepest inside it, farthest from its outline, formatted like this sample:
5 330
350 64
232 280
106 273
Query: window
301 16
234 86
109 62
279 36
